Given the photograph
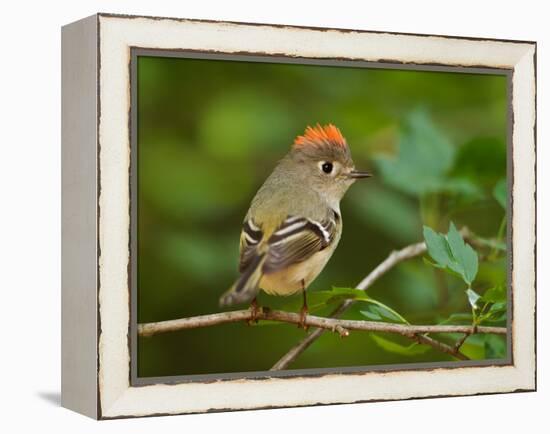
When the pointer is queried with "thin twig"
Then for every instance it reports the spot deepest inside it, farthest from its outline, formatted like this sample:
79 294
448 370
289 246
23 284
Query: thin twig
455 352
492 243
461 341
391 261
417 333
303 345
340 326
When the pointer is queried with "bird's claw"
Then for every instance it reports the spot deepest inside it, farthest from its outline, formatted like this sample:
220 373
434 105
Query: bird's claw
254 310
303 316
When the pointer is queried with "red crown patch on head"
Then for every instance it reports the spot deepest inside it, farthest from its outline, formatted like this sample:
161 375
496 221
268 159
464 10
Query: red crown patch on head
321 135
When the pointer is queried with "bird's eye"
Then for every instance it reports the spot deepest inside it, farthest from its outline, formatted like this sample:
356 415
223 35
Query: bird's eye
327 167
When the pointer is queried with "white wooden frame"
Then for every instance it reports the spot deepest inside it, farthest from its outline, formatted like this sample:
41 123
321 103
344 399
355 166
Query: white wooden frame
96 218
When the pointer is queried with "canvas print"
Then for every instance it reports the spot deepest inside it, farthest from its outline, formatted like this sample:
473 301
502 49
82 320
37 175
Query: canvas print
306 217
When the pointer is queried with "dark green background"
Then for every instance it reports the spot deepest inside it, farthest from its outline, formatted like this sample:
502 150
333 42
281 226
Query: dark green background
210 132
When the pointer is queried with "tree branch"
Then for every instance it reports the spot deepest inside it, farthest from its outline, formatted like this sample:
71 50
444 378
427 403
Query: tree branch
417 333
340 326
438 345
391 261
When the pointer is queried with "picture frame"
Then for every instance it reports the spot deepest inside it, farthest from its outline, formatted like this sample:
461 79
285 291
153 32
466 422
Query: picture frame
99 195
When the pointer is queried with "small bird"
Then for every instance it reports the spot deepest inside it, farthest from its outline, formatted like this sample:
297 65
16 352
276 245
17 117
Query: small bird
294 223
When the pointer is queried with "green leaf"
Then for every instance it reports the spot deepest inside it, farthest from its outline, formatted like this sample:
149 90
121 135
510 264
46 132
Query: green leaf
498 307
473 297
496 294
464 255
371 315
438 248
319 299
452 253
377 313
341 294
425 155
458 318
393 347
498 312
433 264
500 193
474 347
384 312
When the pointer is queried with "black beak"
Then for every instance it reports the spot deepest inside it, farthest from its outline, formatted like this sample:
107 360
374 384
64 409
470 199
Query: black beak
357 174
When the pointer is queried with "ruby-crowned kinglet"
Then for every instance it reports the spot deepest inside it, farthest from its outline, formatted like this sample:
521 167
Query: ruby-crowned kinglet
294 224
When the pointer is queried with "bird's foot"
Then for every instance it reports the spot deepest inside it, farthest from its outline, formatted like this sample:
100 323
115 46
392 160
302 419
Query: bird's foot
255 311
303 316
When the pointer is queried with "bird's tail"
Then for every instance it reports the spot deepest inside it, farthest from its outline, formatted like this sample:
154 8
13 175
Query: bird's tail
246 286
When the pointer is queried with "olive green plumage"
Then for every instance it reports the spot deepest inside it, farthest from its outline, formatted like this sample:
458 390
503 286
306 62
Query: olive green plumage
294 224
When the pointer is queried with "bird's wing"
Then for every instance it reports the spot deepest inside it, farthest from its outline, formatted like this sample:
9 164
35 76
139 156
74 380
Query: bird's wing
296 240
251 235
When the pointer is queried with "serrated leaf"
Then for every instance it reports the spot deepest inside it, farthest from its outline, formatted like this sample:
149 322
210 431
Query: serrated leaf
452 253
438 248
473 297
393 347
465 257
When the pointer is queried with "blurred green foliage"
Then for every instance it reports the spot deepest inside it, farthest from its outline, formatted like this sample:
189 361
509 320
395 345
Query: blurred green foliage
210 132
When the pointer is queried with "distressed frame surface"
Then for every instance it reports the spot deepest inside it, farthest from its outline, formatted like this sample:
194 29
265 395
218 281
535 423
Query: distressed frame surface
135 53
96 245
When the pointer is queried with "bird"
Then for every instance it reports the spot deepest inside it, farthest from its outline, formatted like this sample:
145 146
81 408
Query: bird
294 223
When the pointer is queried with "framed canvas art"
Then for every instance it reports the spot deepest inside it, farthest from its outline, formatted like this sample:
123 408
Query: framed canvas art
262 216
